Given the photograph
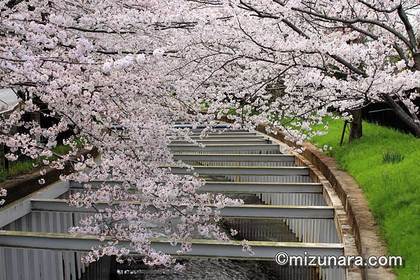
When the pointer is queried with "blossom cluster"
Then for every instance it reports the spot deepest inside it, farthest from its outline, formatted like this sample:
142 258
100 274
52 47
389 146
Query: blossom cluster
3 193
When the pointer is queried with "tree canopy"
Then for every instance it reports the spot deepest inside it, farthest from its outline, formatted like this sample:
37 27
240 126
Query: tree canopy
118 74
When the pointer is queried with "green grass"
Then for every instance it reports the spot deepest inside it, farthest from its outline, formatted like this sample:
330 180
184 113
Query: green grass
17 168
386 164
21 167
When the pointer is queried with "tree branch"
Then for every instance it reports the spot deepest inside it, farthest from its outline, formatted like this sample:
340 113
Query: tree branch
408 27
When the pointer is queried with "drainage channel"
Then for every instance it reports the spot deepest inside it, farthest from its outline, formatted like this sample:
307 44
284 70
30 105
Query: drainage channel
284 210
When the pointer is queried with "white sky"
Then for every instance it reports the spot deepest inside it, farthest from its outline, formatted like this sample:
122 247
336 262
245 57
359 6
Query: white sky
7 99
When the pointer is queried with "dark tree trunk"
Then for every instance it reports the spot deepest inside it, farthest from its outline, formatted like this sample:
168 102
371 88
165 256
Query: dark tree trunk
356 130
416 58
404 116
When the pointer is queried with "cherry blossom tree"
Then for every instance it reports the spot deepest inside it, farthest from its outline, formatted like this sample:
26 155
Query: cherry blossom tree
118 74
99 67
313 56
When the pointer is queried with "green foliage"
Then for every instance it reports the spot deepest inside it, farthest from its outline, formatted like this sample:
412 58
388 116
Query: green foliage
17 168
392 190
3 175
62 149
20 167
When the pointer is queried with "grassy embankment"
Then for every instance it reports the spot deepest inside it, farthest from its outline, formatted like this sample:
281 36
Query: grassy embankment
386 164
17 168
